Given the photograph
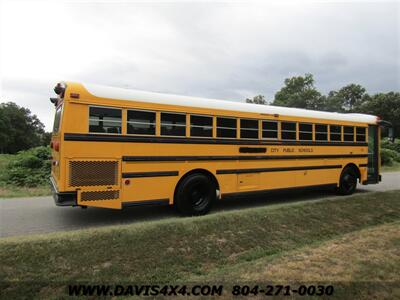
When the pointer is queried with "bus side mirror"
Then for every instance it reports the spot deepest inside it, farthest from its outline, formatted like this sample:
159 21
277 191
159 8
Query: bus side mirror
54 101
391 135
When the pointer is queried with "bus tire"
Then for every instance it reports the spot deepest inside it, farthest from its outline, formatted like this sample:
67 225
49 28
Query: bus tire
348 181
195 195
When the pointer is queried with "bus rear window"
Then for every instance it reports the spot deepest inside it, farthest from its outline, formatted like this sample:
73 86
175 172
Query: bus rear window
57 120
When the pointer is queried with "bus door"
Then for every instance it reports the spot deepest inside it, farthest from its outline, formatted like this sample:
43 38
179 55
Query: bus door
373 152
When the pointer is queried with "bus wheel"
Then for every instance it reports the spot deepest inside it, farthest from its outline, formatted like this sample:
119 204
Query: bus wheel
348 182
195 195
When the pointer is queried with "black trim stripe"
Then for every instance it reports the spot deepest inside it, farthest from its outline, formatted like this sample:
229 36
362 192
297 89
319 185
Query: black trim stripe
238 157
170 140
296 188
363 165
263 170
149 174
146 202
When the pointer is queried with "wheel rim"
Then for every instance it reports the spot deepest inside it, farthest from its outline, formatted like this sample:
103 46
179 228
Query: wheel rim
199 195
348 181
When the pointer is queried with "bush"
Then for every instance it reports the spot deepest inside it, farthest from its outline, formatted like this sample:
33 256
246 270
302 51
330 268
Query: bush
392 146
29 168
389 156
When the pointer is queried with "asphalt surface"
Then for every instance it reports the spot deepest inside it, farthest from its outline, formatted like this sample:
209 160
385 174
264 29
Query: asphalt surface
38 215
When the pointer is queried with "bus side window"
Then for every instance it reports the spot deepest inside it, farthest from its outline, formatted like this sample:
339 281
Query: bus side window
248 129
201 126
173 124
348 133
321 132
105 120
141 122
270 130
361 134
226 127
305 132
288 130
336 133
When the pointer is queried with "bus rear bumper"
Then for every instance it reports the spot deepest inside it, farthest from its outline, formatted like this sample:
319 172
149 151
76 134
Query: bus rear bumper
62 198
373 181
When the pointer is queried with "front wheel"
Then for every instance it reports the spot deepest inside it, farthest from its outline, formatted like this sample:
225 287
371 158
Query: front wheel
348 182
195 195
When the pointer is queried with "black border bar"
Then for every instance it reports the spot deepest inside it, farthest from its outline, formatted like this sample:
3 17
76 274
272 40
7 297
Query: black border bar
149 174
145 202
295 188
263 170
238 157
184 140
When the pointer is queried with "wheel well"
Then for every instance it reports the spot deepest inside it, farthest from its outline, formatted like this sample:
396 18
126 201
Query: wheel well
198 171
355 168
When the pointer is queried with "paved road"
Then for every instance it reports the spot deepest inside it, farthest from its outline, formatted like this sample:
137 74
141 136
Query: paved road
25 216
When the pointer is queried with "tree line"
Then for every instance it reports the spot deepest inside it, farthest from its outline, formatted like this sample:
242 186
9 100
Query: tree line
300 92
20 129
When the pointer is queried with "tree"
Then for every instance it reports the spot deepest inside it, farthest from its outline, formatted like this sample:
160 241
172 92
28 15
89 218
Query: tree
299 92
45 139
259 99
348 98
333 102
19 129
384 105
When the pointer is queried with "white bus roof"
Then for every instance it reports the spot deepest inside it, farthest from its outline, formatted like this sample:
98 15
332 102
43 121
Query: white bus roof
171 99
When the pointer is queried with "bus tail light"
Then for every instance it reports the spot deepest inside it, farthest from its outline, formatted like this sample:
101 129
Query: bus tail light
51 145
56 146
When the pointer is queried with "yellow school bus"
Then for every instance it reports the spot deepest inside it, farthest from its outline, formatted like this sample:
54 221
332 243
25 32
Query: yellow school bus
114 147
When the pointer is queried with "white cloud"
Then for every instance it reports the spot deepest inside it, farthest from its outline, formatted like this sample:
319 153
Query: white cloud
220 50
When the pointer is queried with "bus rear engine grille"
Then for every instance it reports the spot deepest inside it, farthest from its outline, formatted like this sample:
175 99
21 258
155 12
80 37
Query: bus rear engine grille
93 173
99 195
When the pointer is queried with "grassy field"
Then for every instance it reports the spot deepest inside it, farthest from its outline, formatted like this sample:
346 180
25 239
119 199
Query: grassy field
350 242
9 191
393 168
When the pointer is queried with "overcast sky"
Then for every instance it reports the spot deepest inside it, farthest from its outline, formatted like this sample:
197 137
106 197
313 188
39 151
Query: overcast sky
209 49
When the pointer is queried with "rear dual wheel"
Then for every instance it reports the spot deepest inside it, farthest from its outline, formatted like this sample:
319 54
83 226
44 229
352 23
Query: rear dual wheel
195 195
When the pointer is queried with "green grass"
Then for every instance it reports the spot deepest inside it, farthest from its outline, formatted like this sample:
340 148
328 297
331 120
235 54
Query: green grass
370 255
8 191
11 191
393 168
183 249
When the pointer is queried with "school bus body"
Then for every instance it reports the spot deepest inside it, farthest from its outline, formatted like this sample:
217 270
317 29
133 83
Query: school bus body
116 170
